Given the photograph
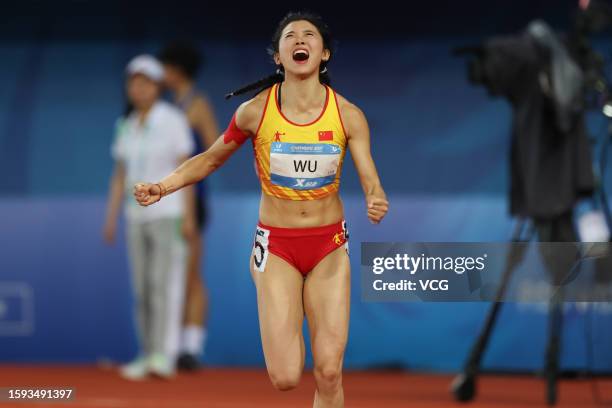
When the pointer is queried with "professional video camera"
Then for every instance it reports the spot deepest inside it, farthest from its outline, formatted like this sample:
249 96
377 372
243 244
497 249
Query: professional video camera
550 81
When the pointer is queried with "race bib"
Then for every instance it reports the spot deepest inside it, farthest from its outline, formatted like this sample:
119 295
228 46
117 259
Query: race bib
260 249
346 236
304 166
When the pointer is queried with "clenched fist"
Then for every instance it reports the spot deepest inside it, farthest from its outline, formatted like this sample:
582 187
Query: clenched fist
147 193
377 208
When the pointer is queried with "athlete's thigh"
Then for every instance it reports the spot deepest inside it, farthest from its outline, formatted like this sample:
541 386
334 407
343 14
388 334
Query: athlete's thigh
281 315
327 303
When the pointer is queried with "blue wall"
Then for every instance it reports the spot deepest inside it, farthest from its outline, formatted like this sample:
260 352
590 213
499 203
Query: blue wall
440 146
62 99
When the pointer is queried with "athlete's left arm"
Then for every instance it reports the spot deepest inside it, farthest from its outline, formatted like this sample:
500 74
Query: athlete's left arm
358 134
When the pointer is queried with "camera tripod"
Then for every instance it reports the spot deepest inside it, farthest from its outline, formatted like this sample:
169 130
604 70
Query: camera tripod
464 385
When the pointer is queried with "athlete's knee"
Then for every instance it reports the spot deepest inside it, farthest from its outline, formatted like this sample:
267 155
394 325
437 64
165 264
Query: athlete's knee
284 380
328 376
328 367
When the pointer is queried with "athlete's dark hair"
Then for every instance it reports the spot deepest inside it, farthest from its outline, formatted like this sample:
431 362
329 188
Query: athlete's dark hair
182 55
279 75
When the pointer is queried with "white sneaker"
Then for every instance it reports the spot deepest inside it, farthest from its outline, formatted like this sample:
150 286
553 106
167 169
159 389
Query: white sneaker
161 366
136 370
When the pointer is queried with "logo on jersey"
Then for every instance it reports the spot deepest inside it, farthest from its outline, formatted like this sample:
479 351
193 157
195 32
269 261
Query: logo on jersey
326 135
277 136
305 184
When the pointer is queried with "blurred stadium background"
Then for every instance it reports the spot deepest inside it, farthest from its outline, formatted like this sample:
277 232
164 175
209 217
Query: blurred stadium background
441 146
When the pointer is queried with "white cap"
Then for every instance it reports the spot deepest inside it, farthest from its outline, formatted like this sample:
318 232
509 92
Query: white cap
146 65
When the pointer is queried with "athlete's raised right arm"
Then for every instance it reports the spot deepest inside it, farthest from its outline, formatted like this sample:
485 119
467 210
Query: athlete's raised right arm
243 125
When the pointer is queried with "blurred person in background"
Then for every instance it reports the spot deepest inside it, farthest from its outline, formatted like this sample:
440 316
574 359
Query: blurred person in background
181 63
151 140
300 264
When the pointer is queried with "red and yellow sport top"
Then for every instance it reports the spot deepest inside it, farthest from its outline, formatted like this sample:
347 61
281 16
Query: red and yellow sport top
300 162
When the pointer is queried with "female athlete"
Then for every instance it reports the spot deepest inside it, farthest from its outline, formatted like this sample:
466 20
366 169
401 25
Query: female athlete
300 130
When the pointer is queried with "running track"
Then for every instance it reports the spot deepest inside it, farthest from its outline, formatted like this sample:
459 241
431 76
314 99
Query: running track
100 387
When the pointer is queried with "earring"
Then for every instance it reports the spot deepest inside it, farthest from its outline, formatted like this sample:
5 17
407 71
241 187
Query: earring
323 71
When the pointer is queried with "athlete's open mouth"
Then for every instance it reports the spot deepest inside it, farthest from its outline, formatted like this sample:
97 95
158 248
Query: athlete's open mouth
300 55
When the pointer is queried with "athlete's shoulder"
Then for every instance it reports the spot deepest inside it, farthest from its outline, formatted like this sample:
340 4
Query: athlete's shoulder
250 113
351 115
346 107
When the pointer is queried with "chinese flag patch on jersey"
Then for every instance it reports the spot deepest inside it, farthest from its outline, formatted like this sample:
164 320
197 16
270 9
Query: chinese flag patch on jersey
326 135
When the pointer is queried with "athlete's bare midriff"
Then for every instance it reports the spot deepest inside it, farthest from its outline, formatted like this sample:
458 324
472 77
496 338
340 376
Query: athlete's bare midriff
276 212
